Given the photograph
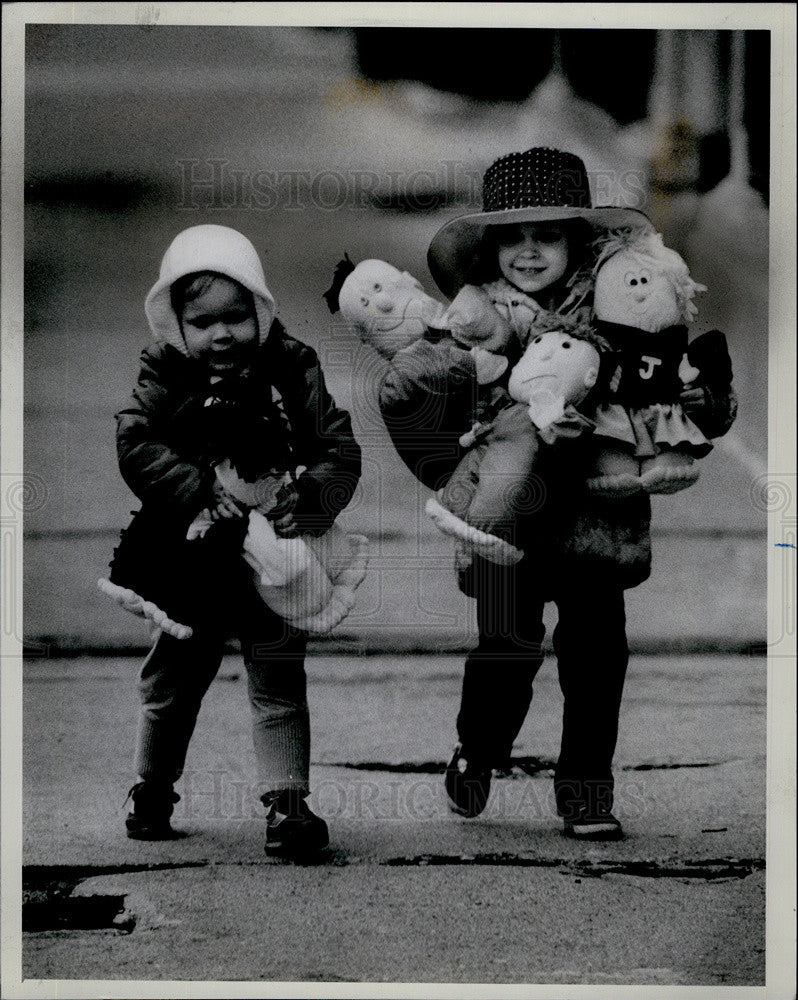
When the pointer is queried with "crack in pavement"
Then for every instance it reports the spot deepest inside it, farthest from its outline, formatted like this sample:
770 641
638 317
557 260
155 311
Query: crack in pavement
42 883
704 869
48 903
529 766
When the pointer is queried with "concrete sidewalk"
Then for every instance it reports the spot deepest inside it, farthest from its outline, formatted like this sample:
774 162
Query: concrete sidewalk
408 892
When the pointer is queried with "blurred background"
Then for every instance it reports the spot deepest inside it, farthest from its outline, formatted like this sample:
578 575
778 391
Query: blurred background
318 141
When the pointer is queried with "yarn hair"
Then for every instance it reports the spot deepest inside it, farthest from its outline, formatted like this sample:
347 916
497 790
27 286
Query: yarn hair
548 322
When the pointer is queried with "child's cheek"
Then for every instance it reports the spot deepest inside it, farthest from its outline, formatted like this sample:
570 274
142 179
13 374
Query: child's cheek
196 342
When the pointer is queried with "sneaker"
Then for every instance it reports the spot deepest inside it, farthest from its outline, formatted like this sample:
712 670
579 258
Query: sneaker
600 827
153 805
467 786
292 830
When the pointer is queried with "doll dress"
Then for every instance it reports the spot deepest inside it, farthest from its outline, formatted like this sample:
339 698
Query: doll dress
645 416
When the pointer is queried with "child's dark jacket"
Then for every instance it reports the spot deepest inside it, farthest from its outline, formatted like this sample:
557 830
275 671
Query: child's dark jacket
165 455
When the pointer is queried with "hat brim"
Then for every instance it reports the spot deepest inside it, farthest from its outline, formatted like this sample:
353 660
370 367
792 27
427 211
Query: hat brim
454 247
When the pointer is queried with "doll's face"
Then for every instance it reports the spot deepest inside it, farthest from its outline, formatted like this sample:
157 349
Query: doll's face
634 293
533 256
558 363
389 307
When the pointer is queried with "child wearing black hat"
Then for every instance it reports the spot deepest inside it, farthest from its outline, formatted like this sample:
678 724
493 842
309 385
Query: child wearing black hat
581 551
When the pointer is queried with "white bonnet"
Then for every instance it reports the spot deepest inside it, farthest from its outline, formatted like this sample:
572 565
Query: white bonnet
207 248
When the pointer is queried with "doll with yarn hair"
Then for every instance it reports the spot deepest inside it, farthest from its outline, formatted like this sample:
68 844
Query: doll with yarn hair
643 301
308 581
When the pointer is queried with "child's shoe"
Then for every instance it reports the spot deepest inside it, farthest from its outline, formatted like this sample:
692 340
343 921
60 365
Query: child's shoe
599 826
292 830
153 805
467 786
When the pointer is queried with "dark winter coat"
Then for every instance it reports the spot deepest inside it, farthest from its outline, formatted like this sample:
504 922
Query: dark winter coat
167 449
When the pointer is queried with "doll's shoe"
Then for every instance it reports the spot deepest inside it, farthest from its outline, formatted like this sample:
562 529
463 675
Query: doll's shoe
601 826
668 472
668 478
153 804
292 830
475 541
623 484
467 786
616 473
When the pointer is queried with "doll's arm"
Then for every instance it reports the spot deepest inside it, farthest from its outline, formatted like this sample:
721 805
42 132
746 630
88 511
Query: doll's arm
473 320
488 489
710 400
322 439
507 483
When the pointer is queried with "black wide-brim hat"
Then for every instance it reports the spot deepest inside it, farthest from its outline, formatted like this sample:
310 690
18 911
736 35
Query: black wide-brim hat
539 185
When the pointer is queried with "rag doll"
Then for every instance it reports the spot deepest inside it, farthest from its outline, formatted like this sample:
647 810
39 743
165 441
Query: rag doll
390 310
308 581
643 300
497 480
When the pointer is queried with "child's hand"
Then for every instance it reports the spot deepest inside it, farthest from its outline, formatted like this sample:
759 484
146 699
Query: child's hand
225 504
286 526
473 320
280 511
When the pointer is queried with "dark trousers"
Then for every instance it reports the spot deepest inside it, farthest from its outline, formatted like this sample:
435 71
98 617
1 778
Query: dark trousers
592 656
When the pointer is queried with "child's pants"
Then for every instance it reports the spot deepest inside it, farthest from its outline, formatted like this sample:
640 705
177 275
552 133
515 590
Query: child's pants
178 672
592 656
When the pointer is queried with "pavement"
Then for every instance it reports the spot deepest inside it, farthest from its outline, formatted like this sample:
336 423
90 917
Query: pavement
408 892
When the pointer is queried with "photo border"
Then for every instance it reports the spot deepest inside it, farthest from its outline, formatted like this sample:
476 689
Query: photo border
780 20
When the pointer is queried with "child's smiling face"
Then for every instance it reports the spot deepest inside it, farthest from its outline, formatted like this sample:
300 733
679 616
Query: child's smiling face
219 325
533 256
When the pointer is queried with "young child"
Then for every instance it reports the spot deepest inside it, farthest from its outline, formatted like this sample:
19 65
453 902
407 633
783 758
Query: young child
523 249
208 389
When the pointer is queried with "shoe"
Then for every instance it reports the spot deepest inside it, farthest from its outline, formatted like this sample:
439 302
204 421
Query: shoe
292 830
467 786
603 826
153 805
